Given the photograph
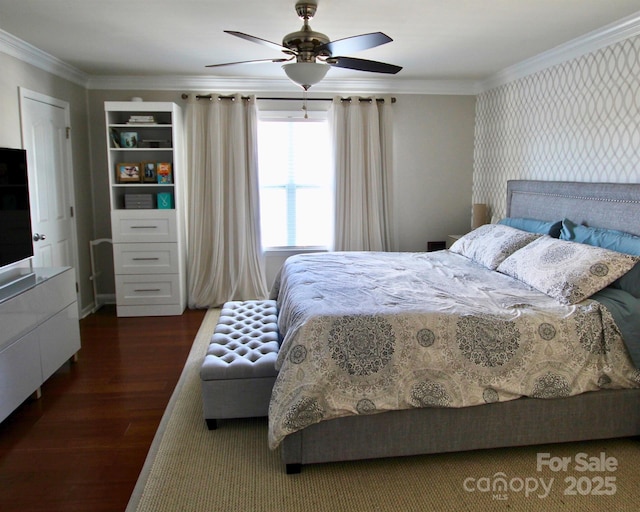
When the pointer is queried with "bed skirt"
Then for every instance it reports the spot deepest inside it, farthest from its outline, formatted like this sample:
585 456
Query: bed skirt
525 421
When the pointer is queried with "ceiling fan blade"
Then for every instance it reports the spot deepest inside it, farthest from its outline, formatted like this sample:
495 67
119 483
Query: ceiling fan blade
356 43
259 40
246 62
363 65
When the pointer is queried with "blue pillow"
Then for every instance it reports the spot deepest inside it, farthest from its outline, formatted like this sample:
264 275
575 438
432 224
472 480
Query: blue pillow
609 239
534 225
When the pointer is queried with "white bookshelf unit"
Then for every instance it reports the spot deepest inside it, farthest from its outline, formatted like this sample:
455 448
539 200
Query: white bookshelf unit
147 219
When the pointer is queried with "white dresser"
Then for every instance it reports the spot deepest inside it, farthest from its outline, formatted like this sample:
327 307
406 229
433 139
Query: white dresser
39 332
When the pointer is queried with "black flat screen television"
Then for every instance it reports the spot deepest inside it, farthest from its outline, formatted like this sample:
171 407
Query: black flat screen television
16 242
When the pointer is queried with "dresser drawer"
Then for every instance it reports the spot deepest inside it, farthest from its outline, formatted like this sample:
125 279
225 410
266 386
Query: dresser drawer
20 372
51 291
59 339
160 258
132 226
138 289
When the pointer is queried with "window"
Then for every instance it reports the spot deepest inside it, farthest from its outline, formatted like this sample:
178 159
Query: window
296 193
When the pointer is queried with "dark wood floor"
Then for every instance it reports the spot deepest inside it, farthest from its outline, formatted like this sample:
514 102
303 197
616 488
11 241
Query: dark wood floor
82 445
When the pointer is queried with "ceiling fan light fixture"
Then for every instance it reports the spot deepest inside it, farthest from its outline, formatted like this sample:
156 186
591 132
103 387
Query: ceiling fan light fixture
306 74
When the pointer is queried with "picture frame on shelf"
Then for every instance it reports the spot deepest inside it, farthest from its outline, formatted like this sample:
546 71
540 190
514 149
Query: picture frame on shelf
149 172
164 172
129 139
128 172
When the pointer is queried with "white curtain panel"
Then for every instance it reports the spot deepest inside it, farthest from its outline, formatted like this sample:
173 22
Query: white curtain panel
362 143
225 259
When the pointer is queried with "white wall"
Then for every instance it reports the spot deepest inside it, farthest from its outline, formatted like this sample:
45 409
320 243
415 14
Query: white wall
433 154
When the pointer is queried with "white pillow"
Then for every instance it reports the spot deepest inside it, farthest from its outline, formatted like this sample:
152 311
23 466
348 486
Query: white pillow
567 271
491 244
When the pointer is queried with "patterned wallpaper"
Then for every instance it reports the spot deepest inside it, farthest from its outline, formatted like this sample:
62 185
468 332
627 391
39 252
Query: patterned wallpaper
576 121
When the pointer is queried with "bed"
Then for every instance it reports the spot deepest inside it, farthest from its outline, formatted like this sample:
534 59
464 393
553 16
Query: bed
498 400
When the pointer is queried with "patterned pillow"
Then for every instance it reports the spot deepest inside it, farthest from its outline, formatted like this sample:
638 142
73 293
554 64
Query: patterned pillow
491 244
567 271
609 239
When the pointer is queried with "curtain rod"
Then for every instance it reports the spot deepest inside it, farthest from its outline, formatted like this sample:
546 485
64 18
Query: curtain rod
209 96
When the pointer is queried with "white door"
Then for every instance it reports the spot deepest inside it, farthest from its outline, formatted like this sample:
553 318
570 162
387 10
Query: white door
45 137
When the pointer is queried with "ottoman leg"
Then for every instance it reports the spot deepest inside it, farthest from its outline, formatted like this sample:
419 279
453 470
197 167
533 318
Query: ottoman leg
212 424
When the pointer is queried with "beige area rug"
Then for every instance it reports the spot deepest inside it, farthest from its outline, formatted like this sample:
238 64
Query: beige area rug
190 468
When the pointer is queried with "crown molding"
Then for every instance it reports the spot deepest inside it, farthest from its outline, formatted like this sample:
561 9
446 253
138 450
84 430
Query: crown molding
28 53
248 85
588 43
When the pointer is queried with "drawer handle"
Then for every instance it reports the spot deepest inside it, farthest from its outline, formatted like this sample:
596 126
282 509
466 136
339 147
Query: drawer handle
145 259
144 227
147 290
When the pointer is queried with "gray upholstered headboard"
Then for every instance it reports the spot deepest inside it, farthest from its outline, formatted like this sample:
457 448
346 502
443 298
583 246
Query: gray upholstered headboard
604 205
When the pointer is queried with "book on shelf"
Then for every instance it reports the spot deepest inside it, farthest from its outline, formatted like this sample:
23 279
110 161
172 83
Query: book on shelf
163 171
115 138
141 119
149 143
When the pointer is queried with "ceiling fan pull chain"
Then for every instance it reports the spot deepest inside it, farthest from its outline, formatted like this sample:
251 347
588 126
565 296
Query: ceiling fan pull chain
304 104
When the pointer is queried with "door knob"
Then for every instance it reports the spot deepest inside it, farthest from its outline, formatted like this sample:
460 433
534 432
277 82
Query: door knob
38 236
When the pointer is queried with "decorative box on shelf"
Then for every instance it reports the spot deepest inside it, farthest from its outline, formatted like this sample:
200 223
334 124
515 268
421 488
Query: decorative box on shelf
138 201
165 200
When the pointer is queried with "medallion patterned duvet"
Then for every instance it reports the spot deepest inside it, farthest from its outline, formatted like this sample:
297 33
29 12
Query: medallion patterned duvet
369 332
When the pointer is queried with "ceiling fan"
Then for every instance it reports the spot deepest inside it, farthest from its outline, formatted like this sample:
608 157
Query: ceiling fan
315 53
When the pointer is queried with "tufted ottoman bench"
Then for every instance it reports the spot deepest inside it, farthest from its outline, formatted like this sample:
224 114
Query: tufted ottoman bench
238 371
